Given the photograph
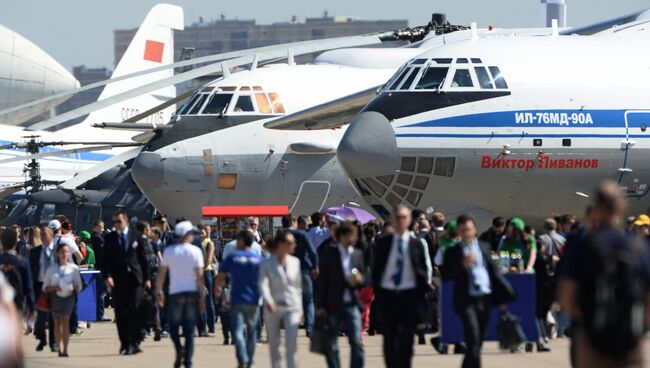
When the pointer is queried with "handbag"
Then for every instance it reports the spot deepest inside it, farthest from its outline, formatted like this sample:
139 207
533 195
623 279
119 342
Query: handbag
511 334
43 303
320 338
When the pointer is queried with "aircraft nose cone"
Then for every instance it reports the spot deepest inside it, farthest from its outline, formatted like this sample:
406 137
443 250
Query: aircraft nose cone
369 146
148 171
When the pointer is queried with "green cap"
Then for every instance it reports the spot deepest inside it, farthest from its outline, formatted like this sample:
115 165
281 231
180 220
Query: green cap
452 226
84 235
518 223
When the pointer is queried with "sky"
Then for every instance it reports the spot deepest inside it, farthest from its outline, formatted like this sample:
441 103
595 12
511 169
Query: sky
79 32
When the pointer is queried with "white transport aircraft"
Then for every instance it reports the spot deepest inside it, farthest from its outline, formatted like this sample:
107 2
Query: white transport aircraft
72 150
515 126
218 151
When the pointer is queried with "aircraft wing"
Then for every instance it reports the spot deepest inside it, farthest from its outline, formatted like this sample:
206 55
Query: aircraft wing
605 25
98 169
329 115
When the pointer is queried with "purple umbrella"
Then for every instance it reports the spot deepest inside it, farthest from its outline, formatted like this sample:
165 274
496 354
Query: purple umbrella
351 213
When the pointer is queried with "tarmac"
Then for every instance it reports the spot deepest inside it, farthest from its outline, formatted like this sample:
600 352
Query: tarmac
98 348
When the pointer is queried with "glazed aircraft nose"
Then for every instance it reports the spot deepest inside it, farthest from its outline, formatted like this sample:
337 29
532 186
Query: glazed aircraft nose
369 147
148 171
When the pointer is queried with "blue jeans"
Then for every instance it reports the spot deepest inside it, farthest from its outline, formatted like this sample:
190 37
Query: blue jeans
244 317
308 300
208 318
351 318
183 311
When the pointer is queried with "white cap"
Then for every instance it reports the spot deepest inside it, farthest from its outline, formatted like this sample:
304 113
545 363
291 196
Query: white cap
54 225
182 228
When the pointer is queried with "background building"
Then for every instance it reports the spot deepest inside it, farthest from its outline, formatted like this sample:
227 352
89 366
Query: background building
223 35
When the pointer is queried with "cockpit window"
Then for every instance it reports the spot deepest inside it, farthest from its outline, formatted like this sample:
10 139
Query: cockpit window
433 78
442 60
199 103
483 77
399 79
462 78
278 107
183 110
217 103
409 80
418 61
263 103
499 81
244 104
461 61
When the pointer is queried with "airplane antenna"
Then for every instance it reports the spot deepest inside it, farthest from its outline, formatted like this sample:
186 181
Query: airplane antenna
225 72
290 58
474 29
554 26
256 60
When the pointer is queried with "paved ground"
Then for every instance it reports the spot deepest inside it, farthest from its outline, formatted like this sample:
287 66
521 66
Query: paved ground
98 348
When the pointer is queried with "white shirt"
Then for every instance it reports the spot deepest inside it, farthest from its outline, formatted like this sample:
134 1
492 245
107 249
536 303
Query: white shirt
47 258
346 255
408 274
231 246
66 277
74 249
182 261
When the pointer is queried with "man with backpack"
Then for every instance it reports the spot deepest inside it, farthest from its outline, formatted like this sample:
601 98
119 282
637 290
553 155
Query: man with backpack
604 287
17 271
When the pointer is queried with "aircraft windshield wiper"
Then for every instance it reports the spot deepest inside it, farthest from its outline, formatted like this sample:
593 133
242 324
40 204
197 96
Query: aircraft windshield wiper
440 85
223 111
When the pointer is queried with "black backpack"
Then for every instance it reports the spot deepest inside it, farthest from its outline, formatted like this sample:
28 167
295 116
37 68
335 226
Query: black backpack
613 309
9 267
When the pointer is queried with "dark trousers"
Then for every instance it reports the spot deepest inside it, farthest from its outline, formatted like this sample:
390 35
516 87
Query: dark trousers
475 316
101 296
74 318
308 300
398 316
226 324
128 314
43 321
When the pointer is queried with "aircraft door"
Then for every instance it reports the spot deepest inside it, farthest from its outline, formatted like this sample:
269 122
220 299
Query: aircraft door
311 197
634 175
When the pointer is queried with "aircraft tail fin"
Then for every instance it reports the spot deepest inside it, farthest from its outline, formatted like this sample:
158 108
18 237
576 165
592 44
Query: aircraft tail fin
151 46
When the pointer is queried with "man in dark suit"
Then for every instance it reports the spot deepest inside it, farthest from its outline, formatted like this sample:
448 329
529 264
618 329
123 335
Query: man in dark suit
401 276
126 272
478 284
342 274
306 252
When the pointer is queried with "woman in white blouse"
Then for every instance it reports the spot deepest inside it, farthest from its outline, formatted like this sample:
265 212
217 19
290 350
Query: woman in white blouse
281 288
62 280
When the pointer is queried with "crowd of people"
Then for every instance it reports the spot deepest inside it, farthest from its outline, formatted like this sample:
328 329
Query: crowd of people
332 276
